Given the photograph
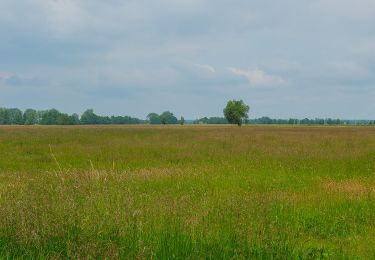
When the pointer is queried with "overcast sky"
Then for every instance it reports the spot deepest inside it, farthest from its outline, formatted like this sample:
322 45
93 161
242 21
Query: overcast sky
285 58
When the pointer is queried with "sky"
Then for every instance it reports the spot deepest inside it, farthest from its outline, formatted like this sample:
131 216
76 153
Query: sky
284 58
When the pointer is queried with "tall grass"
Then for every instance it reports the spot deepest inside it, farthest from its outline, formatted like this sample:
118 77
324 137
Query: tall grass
187 192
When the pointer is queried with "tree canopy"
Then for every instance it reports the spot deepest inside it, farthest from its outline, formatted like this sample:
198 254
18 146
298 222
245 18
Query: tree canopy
236 112
154 119
165 118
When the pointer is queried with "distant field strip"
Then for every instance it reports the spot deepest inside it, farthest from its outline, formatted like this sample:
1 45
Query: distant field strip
187 192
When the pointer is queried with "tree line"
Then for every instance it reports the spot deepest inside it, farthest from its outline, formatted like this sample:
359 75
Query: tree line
165 118
15 116
291 121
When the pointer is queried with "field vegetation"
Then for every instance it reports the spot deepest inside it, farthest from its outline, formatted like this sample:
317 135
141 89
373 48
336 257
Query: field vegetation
175 192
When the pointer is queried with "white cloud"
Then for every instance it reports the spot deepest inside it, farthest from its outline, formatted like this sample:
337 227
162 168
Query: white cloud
258 77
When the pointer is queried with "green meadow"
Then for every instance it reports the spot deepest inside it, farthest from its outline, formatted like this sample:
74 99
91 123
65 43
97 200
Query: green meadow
187 192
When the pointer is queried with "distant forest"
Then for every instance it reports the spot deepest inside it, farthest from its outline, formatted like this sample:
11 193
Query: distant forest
15 116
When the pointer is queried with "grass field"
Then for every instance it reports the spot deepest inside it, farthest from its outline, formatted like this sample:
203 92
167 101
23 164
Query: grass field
187 192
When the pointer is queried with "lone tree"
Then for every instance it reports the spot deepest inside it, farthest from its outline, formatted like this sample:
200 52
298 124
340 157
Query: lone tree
236 112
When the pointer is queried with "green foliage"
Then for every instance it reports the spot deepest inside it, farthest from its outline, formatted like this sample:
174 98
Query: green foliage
89 117
167 118
292 121
14 116
11 116
182 120
211 120
236 112
52 117
125 120
154 119
74 119
30 117
4 117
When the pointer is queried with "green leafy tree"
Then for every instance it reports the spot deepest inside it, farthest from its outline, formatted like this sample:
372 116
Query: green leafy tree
4 116
182 121
168 118
51 117
154 119
39 115
74 119
124 120
63 119
15 116
236 112
30 117
211 120
89 117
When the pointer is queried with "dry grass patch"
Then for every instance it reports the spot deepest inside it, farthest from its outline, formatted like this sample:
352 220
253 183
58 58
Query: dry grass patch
350 188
